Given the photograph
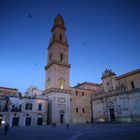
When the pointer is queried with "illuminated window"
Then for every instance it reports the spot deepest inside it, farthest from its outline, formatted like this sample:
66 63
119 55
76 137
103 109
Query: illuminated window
61 84
48 83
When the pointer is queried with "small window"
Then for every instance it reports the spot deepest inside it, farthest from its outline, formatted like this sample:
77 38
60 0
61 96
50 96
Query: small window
60 37
61 57
30 106
50 57
107 83
39 106
82 93
48 83
76 110
76 93
132 85
83 110
70 99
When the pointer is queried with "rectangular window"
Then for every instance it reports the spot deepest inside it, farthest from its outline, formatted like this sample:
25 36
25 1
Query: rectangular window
83 110
28 106
61 57
76 110
82 93
39 106
76 93
132 85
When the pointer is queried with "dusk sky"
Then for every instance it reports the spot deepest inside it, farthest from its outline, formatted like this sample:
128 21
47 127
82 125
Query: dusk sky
101 34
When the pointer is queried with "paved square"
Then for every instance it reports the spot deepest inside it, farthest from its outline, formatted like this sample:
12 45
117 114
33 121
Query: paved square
76 132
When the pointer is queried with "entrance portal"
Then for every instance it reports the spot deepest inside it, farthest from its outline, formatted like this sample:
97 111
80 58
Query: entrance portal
15 121
39 121
112 114
28 121
61 118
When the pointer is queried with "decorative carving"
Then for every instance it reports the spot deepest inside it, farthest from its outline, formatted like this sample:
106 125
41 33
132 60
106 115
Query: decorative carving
61 100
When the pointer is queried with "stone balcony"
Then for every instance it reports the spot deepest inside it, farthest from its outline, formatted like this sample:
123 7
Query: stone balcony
56 90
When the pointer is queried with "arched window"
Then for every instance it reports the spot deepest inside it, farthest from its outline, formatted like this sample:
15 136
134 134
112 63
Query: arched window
61 57
48 83
61 84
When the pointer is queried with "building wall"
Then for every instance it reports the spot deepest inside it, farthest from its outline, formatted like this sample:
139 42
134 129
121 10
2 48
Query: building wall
59 104
80 99
123 98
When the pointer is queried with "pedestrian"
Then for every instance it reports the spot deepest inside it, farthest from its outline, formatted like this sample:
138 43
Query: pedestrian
6 128
67 126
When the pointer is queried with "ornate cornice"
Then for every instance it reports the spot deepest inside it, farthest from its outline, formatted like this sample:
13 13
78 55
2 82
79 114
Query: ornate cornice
57 90
102 95
57 63
59 42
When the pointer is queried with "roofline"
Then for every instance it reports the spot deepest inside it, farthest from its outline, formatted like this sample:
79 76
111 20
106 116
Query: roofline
8 88
129 74
87 83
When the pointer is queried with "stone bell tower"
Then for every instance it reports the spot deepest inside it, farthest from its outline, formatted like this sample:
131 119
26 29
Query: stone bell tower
57 69
57 74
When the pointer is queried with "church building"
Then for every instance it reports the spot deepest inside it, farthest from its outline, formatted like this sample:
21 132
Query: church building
115 99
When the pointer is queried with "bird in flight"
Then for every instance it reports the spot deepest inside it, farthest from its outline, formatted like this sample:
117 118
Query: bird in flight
29 15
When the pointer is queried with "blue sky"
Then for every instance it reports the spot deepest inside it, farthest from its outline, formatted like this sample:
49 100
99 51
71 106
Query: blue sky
101 34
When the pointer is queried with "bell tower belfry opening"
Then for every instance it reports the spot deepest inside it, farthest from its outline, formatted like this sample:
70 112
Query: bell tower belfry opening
57 73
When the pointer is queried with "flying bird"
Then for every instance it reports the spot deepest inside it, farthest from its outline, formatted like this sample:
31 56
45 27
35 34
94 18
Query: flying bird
29 15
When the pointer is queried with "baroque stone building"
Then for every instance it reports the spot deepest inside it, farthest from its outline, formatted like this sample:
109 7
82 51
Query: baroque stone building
115 99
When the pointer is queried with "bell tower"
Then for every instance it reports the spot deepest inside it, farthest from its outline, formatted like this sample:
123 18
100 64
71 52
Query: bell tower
57 75
57 68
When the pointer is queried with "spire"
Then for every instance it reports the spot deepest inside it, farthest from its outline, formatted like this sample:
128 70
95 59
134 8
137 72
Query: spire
107 73
59 22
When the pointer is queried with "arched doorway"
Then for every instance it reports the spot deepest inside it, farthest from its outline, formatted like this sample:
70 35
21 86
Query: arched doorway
112 114
28 121
15 121
61 118
39 121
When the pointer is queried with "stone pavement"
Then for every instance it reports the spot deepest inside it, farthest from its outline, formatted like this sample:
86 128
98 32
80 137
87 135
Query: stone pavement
76 132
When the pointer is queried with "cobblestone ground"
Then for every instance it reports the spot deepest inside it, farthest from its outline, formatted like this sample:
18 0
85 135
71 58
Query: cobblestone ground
75 132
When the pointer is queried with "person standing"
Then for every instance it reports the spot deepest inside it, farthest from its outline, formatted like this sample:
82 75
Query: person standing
6 128
67 126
